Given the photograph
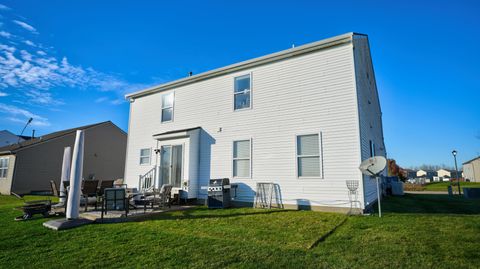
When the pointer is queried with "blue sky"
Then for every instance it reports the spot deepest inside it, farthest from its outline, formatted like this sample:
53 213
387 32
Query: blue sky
69 63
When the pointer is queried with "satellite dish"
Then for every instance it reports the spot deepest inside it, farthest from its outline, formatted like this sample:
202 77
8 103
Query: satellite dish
373 166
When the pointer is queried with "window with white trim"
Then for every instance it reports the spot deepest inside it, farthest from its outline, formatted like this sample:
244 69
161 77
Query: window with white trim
3 167
241 93
145 155
167 107
308 155
241 158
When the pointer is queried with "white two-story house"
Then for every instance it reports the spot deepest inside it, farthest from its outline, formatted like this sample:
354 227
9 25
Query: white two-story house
303 118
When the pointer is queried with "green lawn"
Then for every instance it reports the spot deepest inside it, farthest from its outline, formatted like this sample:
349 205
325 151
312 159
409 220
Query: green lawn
417 231
442 186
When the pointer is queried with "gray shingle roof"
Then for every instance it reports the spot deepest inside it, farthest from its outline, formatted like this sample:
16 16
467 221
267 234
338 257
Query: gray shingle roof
12 149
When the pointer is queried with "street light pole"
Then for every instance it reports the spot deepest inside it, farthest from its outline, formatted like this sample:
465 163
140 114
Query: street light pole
454 153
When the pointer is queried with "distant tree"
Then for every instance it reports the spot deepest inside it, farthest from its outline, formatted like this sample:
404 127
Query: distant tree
432 167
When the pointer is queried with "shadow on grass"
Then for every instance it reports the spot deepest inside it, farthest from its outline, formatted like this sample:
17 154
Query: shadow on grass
200 213
431 204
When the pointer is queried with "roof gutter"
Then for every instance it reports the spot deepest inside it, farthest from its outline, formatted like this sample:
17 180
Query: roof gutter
322 44
8 152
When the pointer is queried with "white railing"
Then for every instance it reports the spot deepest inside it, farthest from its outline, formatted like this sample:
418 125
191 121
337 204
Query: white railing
146 182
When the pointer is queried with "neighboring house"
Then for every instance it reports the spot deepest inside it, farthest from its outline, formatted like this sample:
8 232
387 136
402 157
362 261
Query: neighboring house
303 118
429 174
471 169
7 138
409 173
29 166
445 173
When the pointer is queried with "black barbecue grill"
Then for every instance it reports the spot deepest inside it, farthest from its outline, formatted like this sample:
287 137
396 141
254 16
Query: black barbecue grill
219 193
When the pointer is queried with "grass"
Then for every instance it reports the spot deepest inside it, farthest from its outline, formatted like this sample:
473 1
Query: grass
442 186
416 231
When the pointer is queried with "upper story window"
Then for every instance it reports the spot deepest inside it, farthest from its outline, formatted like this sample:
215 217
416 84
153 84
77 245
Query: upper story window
167 107
242 90
241 158
372 148
145 155
308 155
3 167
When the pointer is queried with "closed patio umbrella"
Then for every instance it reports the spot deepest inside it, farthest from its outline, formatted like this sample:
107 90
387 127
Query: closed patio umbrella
67 152
73 204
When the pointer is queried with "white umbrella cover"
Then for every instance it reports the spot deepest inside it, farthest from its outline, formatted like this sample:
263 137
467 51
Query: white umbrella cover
73 204
67 153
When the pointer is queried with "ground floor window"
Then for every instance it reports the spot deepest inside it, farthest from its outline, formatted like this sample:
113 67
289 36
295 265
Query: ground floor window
308 155
3 167
241 158
145 156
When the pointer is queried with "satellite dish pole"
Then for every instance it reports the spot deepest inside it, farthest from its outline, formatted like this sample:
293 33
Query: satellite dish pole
373 167
23 130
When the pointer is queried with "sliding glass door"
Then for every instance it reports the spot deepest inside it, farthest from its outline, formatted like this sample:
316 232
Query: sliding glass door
171 165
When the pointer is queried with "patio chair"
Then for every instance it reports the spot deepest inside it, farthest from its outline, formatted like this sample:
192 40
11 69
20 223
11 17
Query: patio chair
164 197
89 190
56 193
114 199
104 184
119 183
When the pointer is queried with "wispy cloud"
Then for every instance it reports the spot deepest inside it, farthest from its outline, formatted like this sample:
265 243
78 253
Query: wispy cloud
30 43
117 101
26 26
34 76
17 114
5 34
4 7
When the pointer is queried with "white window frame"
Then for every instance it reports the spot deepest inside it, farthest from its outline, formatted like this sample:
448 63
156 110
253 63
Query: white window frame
5 168
234 159
320 156
250 91
172 107
144 156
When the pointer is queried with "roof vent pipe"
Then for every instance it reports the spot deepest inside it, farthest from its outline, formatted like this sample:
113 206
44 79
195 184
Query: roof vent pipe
190 73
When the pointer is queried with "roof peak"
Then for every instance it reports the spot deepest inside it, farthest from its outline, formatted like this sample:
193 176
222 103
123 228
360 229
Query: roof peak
291 52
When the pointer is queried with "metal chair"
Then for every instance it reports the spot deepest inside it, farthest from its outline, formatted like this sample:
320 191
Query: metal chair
104 184
56 193
114 199
89 189
352 186
164 196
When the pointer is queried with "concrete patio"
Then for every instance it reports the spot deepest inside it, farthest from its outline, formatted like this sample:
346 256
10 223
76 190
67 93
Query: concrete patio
137 214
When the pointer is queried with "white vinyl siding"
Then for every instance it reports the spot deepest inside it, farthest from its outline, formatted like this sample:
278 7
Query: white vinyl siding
145 155
167 107
300 95
3 167
242 92
308 156
241 158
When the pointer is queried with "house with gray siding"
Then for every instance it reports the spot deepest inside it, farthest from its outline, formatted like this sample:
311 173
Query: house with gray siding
29 166
471 169
303 118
